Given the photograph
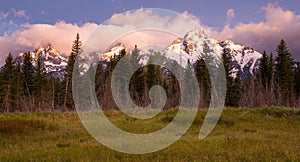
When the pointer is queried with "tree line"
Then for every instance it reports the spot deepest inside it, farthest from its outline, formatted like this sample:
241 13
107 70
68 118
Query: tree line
25 87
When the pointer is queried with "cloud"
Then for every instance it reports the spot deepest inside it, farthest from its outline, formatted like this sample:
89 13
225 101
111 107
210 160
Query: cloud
230 15
142 27
3 15
19 13
15 13
31 36
43 12
265 35
61 34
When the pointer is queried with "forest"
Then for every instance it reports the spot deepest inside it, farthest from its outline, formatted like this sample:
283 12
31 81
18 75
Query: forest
26 87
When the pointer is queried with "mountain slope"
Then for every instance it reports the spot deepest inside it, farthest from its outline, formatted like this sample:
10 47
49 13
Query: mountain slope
53 63
190 47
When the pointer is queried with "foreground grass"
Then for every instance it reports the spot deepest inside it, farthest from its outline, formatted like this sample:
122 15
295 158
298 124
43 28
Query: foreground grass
267 134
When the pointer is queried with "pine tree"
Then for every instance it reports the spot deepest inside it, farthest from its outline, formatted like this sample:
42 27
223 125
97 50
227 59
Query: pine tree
17 87
264 70
118 82
270 89
203 78
232 93
297 80
271 66
76 50
7 74
188 90
283 73
171 84
236 90
28 75
40 82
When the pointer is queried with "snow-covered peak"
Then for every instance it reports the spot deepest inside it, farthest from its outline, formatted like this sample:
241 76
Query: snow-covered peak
194 39
113 51
196 44
53 63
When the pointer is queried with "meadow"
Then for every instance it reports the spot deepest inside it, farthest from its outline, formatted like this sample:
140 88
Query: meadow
242 134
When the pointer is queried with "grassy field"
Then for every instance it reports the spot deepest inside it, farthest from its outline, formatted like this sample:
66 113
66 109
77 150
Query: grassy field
266 134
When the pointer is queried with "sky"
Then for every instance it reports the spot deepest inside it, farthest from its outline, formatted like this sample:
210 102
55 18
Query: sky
25 25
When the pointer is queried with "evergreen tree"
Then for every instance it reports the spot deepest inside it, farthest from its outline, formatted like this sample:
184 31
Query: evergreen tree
203 78
76 50
297 80
236 90
188 89
264 70
17 87
232 93
120 75
28 75
171 84
270 70
40 82
283 73
152 75
7 72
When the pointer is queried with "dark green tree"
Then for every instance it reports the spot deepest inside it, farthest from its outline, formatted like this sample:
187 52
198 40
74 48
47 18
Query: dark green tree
203 78
297 80
188 88
283 73
7 75
28 75
236 90
264 71
40 84
17 87
76 50
232 84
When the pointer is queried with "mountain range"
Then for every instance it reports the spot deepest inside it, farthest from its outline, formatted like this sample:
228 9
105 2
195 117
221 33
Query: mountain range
189 47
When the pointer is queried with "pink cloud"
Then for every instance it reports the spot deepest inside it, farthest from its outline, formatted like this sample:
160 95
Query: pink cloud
15 13
19 13
3 15
265 35
31 36
229 15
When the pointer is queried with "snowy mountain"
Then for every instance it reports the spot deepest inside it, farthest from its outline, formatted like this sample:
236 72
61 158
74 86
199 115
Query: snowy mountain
54 64
113 51
190 47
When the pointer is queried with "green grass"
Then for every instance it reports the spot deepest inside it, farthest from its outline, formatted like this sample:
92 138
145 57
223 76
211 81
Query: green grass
266 134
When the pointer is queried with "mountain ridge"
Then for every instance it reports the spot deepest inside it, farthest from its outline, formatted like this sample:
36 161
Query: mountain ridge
52 61
189 47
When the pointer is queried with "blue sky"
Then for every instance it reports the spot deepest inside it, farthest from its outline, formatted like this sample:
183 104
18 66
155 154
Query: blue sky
257 23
